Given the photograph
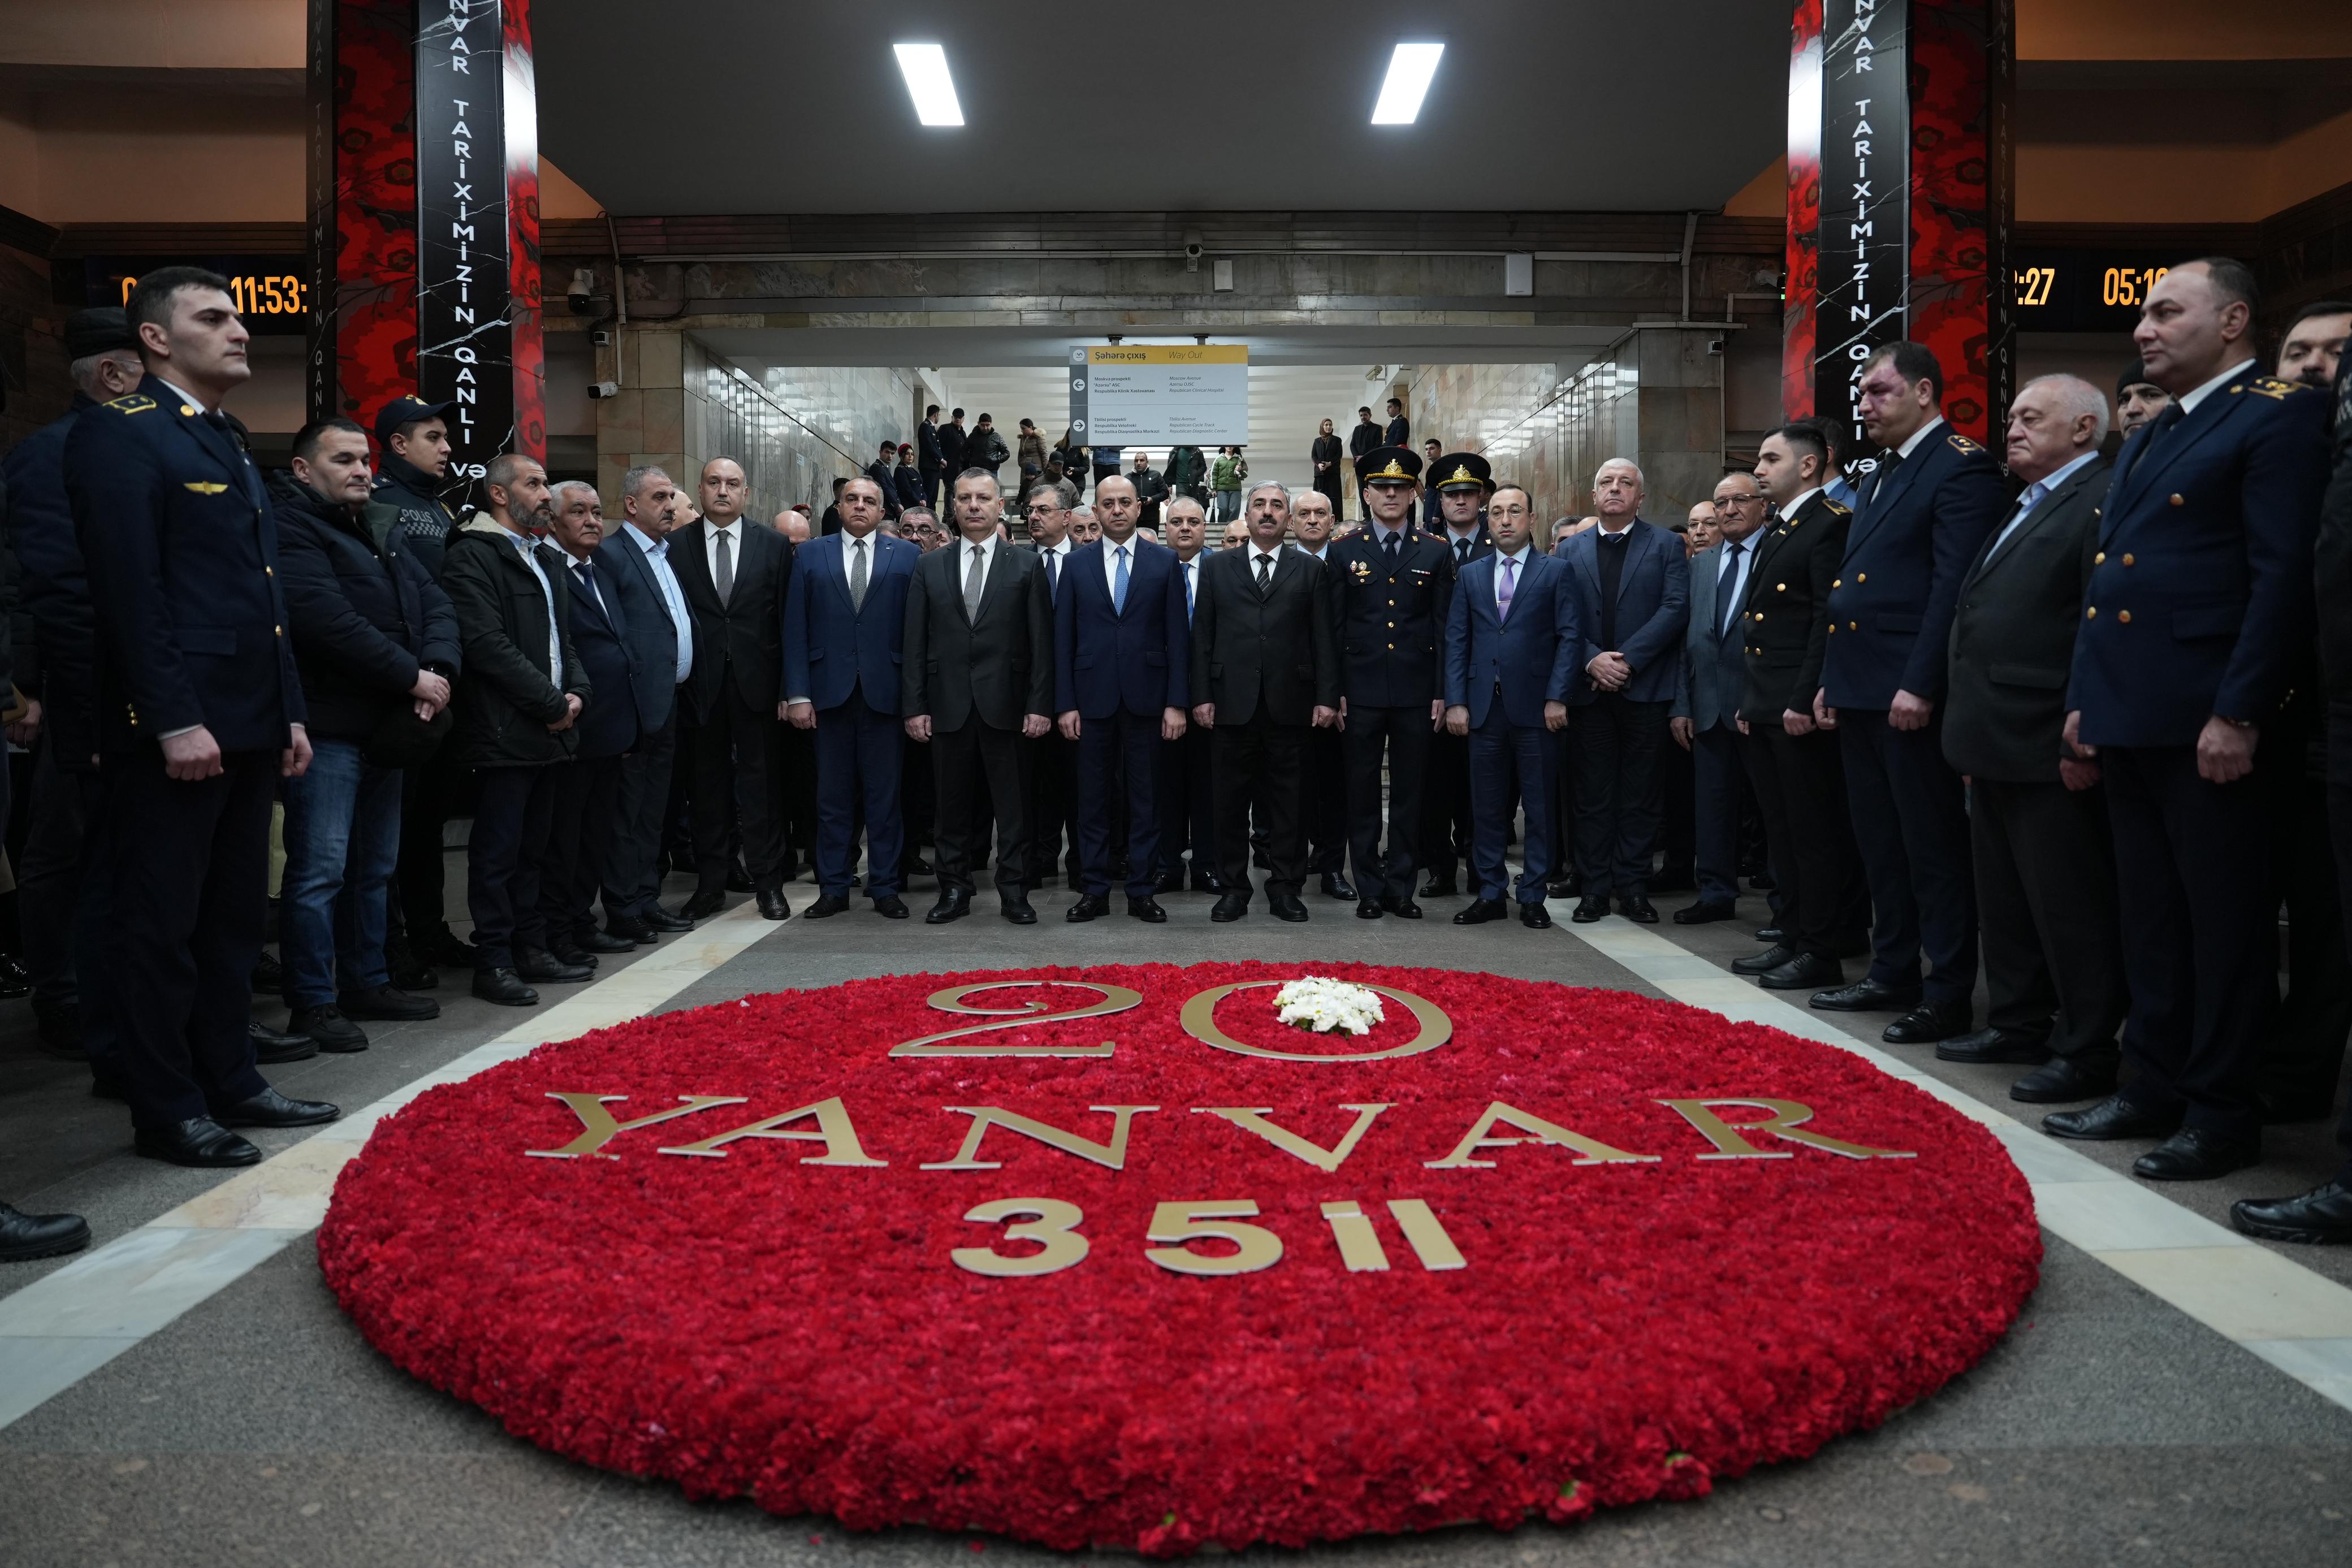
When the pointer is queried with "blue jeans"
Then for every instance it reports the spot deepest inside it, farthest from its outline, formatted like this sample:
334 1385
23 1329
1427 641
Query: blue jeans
342 840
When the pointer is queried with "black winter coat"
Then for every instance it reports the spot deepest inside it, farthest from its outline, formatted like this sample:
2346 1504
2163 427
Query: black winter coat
508 697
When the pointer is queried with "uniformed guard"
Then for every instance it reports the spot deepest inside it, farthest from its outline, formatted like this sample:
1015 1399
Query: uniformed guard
199 714
1462 481
1394 584
2198 601
412 471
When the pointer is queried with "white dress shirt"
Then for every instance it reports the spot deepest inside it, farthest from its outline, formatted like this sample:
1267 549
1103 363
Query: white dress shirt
1518 578
528 548
1134 548
1054 556
1917 436
1792 509
1192 582
2188 403
1743 561
1273 556
987 548
673 597
733 533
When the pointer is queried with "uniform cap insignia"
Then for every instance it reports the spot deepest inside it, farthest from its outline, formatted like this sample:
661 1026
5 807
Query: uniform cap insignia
137 403
1393 471
1462 475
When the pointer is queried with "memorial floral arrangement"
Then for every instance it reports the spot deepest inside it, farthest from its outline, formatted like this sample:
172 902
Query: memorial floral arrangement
1160 1294
1323 1005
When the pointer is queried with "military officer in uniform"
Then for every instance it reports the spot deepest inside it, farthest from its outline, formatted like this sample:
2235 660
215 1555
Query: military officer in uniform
199 714
2199 598
1394 584
1462 481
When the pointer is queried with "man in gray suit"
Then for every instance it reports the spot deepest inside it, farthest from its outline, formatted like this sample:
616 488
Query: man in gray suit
2044 863
1706 719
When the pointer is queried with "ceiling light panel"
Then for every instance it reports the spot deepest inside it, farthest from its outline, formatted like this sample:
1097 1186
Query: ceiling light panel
1410 70
925 67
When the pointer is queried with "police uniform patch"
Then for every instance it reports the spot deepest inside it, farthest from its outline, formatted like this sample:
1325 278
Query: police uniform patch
137 403
1963 445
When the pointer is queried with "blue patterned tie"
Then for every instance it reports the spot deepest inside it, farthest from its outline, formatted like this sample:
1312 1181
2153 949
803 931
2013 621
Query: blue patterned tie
1118 583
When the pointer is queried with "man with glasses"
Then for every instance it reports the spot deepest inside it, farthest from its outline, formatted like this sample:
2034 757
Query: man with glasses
1705 720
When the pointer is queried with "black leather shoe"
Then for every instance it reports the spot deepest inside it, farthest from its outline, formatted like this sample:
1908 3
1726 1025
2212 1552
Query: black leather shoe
1534 918
1704 911
738 879
1481 910
2194 1153
1590 909
406 970
1560 887
772 903
1230 906
706 901
1208 882
1403 908
954 905
595 941
1758 963
1338 887
572 953
1638 909
2322 1214
538 964
1369 909
1868 995
1015 906
2063 1081
328 1028
1803 970
1437 887
1773 934
632 930
1989 1045
389 1004
1286 906
268 975
271 1109
25 1237
2113 1117
199 1142
661 919
1168 882
443 945
918 866
826 906
1089 906
505 987
1146 910
890 906
271 1046
1929 1023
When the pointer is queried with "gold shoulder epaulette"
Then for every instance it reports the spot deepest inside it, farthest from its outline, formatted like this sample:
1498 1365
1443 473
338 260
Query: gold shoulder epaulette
137 403
1962 444
2272 387
1834 504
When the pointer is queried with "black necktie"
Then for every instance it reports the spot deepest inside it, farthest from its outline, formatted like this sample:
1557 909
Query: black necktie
588 580
1053 571
1724 584
1390 545
1461 552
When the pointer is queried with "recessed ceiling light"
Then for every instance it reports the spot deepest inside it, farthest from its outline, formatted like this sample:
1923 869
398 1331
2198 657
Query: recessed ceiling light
925 67
1410 70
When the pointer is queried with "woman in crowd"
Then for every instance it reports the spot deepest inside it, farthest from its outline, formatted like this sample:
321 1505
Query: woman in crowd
1326 457
1226 476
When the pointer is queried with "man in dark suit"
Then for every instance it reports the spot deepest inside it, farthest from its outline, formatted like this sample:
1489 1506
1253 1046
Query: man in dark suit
1394 586
2045 868
735 577
1631 582
1706 716
1266 670
844 626
1365 436
1511 649
1919 521
1053 757
632 571
1399 433
200 714
1122 657
586 812
978 678
929 460
952 438
1793 759
1461 487
883 472
1324 806
2199 599
1187 799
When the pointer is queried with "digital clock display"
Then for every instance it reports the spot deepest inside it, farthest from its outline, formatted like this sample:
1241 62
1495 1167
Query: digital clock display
271 292
2055 290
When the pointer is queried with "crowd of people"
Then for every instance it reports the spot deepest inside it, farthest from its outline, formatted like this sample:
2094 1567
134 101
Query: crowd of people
2073 737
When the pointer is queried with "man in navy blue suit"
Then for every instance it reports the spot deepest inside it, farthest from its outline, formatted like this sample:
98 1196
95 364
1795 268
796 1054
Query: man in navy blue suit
586 808
1511 647
1919 523
1704 719
845 624
1121 653
1631 582
2199 603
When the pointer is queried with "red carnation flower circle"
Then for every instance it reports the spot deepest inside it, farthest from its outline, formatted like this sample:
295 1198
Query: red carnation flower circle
1180 1286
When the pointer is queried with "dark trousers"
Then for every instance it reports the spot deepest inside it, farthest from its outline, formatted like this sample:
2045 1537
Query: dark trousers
1120 747
1053 812
2303 1031
2198 951
1800 788
632 877
1679 808
583 827
858 757
1444 839
430 796
733 748
1912 828
1403 735
931 488
2340 819
93 928
1510 763
1187 806
973 766
50 877
796 773
1259 768
2045 879
505 858
1717 780
1616 761
187 872
1325 807
917 801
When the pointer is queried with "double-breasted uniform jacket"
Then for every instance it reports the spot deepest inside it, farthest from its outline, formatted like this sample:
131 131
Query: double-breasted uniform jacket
1913 535
1785 617
59 665
2200 590
834 645
999 664
1275 651
1392 624
181 552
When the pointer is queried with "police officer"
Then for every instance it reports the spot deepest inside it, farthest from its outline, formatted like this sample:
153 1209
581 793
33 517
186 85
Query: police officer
1393 585
2198 601
413 436
199 715
1463 481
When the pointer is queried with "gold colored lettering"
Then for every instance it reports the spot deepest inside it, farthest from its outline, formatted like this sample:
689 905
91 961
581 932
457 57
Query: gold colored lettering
1253 1117
1115 1000
1594 1152
1360 1244
1113 1154
1258 1248
598 1128
1054 1228
1731 1143
833 1130
1200 1020
1430 1243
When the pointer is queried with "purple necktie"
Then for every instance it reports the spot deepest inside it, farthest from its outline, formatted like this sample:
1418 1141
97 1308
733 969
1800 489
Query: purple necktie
1510 586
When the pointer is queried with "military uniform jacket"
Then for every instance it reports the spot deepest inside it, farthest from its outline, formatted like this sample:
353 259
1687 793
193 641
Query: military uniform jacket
1391 625
58 667
1786 615
182 552
2201 590
2334 574
1914 533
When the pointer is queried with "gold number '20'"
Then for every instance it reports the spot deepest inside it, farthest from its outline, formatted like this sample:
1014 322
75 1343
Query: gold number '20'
1115 1000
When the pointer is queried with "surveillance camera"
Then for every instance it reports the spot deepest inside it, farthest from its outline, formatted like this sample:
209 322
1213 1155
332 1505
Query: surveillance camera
584 290
603 388
601 338
1192 249
1714 346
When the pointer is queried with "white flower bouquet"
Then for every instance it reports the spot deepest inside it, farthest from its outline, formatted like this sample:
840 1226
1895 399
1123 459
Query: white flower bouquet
1326 1005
